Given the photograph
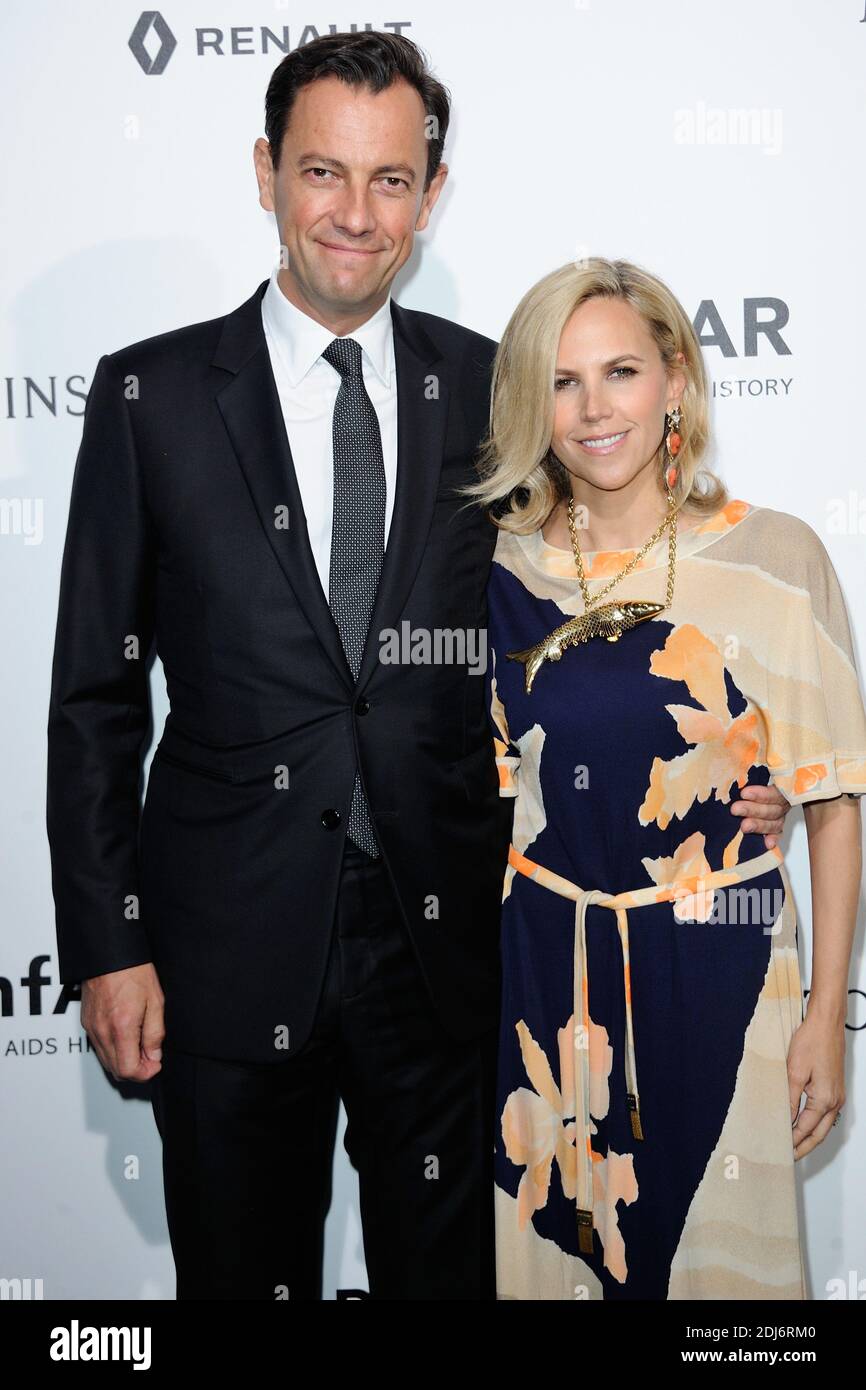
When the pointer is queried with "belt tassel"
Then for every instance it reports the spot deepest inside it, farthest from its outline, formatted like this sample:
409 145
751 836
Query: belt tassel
636 1129
584 1231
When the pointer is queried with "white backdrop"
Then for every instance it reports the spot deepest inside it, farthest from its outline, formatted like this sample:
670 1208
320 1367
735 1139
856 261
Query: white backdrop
719 146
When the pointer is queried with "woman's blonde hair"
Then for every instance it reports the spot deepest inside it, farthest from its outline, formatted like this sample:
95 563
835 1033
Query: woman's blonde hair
518 475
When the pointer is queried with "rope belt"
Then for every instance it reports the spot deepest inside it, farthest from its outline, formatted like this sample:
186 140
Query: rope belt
619 902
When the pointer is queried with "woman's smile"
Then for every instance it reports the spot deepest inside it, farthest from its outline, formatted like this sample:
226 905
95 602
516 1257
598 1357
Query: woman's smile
603 444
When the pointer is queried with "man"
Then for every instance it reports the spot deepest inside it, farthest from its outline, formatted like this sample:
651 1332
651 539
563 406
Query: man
312 909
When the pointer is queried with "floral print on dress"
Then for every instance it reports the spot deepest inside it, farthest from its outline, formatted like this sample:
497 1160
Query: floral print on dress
725 748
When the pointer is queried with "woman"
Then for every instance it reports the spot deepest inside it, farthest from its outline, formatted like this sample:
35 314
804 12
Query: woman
653 1048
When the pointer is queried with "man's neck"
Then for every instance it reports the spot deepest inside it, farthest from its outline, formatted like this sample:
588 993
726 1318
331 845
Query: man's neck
337 321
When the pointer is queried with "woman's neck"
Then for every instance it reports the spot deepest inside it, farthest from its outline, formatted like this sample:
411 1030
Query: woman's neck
608 521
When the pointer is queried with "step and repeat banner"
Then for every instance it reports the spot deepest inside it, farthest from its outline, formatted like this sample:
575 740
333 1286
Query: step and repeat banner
720 147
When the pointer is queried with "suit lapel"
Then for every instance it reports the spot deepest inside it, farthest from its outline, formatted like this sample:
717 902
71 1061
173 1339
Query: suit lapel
250 407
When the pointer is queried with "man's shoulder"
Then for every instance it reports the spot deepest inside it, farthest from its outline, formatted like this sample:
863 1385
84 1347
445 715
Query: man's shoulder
450 336
179 346
190 344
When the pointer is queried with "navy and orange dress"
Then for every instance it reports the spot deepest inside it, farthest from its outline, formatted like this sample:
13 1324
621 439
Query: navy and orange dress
651 980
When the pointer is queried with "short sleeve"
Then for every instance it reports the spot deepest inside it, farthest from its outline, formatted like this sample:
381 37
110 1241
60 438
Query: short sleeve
817 743
507 752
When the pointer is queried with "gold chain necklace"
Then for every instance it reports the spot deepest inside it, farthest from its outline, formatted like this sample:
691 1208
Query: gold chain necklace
609 621
589 600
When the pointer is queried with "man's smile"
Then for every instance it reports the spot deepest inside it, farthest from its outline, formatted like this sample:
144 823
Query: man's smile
347 250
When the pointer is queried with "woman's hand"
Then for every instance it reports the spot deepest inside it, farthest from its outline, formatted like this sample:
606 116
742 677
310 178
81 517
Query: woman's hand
816 1057
766 808
816 1065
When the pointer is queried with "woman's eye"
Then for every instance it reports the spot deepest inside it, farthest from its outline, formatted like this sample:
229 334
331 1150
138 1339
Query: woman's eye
569 380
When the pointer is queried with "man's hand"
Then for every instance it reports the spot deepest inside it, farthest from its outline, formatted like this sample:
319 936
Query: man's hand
122 1014
766 809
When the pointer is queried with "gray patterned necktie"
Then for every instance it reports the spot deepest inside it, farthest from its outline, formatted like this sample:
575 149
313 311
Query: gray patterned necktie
358 535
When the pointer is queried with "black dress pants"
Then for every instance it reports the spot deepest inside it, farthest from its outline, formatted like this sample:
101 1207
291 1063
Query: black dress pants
248 1147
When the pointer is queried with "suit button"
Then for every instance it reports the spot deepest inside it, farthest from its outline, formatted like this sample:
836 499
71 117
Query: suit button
362 706
330 819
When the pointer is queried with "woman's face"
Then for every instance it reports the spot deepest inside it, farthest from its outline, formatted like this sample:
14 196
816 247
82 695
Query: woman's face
610 381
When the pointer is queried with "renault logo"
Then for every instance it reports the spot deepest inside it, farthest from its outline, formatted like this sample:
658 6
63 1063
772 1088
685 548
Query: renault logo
152 20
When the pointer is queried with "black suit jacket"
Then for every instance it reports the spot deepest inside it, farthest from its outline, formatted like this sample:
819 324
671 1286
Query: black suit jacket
186 528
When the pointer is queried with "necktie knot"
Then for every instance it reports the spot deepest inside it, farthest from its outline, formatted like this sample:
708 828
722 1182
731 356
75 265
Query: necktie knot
344 355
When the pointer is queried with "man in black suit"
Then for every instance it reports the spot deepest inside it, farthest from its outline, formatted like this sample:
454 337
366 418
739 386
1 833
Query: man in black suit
307 907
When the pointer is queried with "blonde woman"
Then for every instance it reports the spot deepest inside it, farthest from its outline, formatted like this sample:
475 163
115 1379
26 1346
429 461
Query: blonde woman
654 1053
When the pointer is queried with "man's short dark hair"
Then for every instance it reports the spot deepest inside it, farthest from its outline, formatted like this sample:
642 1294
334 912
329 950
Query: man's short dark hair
371 58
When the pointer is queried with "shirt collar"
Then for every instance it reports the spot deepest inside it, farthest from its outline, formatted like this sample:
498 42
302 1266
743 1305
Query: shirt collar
301 340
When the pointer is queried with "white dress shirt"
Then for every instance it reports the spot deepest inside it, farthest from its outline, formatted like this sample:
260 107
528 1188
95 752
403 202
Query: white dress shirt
308 386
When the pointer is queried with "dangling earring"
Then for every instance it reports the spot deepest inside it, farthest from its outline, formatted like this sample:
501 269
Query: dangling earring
673 444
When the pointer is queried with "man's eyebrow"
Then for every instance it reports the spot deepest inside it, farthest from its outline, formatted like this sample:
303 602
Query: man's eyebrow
315 158
623 357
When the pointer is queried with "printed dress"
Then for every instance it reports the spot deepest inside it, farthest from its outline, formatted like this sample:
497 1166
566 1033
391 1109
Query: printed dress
651 982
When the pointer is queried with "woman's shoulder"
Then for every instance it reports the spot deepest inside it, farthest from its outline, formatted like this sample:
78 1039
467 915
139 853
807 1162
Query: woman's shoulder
789 555
783 536
783 524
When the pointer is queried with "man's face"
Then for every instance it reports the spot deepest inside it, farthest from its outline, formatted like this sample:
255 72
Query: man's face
348 194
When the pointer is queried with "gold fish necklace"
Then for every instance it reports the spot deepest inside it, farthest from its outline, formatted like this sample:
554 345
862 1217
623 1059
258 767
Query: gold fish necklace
611 620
